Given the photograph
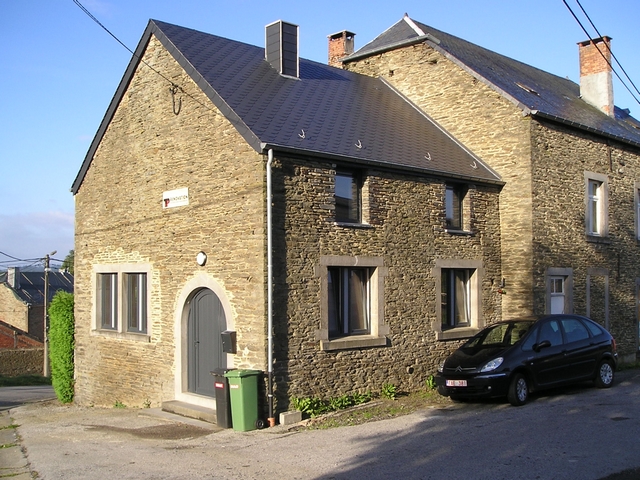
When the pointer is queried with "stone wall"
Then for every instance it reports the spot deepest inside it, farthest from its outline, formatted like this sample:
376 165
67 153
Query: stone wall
406 228
491 127
22 361
561 156
542 204
146 150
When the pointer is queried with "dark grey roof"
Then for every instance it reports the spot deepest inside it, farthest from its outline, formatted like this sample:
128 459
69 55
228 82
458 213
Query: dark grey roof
31 288
535 91
327 111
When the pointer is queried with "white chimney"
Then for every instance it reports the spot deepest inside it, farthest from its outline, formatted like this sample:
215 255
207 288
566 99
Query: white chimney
13 277
596 84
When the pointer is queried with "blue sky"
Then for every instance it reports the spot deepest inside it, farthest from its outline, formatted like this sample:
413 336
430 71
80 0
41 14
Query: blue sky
60 71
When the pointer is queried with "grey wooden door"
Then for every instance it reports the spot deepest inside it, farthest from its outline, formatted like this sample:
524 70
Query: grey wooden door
206 322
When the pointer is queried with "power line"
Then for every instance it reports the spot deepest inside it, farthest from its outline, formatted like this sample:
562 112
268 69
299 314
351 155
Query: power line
612 54
174 87
600 51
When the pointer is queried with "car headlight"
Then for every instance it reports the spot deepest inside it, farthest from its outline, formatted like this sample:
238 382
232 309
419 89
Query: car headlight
492 365
441 367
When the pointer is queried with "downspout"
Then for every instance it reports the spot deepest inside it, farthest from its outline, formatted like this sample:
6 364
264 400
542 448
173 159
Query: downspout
271 419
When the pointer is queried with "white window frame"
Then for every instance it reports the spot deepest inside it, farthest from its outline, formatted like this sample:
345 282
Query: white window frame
597 226
566 276
377 331
476 319
120 328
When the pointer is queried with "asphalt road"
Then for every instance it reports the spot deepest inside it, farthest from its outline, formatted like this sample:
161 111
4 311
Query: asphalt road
577 433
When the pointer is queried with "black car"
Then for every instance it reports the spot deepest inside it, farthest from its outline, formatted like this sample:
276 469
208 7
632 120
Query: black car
515 357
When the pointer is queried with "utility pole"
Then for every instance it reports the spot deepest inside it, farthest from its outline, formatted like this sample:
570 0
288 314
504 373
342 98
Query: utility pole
46 368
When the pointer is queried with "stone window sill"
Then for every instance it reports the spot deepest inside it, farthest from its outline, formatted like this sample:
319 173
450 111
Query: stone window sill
352 225
357 341
134 337
598 239
453 231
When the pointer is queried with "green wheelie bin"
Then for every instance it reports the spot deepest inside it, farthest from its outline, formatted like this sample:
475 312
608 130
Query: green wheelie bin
243 389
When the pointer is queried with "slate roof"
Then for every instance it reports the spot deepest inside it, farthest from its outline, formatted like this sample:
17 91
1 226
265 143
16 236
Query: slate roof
31 289
328 111
535 91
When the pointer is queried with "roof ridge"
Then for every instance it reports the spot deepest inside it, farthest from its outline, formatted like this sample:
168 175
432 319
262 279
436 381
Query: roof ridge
413 25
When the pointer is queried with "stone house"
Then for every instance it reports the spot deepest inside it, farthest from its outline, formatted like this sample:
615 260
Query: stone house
241 207
22 301
570 159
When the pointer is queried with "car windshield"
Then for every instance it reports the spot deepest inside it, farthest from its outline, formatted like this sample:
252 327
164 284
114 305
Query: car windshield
500 335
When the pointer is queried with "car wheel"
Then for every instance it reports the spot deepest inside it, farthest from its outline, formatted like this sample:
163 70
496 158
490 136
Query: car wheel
604 376
518 390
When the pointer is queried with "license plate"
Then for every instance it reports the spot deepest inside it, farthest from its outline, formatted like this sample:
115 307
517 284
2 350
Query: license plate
456 383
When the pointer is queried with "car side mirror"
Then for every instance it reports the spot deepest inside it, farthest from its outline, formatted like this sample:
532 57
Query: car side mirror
543 344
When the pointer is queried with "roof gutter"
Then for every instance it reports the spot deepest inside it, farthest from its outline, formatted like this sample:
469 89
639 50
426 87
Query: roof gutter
564 121
386 166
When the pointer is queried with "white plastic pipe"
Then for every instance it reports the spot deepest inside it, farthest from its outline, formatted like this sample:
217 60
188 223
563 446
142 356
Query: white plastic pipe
271 419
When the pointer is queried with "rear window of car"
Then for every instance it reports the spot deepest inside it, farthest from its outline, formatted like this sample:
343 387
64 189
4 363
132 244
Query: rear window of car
594 328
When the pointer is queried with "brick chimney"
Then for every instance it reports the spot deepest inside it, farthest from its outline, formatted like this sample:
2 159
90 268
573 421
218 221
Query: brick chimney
341 44
281 48
596 84
13 277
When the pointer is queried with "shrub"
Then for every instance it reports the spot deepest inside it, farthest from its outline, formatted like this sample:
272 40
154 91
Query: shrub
389 390
61 345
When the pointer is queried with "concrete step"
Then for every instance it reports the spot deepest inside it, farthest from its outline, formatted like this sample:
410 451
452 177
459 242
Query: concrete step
190 411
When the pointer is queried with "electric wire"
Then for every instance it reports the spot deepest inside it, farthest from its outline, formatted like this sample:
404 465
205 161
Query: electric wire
600 51
612 54
174 86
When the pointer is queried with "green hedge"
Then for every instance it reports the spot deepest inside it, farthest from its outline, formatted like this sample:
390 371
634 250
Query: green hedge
61 345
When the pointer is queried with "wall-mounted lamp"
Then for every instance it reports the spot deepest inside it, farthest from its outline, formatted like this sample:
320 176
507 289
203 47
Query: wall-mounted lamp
201 258
503 283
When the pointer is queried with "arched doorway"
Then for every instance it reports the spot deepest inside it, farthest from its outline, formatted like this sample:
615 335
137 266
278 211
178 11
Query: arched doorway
204 344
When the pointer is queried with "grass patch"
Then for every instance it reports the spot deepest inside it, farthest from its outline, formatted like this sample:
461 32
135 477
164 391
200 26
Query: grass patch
379 409
24 381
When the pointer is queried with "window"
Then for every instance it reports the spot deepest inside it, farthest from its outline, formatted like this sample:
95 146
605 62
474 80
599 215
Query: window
459 298
551 331
122 302
348 196
559 290
351 302
108 300
556 292
455 297
453 201
574 330
136 298
596 216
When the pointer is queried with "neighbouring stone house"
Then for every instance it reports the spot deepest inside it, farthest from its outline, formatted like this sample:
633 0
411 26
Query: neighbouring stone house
22 299
570 160
220 166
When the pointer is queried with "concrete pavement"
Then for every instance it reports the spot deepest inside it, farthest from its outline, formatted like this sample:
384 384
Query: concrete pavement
13 463
581 432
